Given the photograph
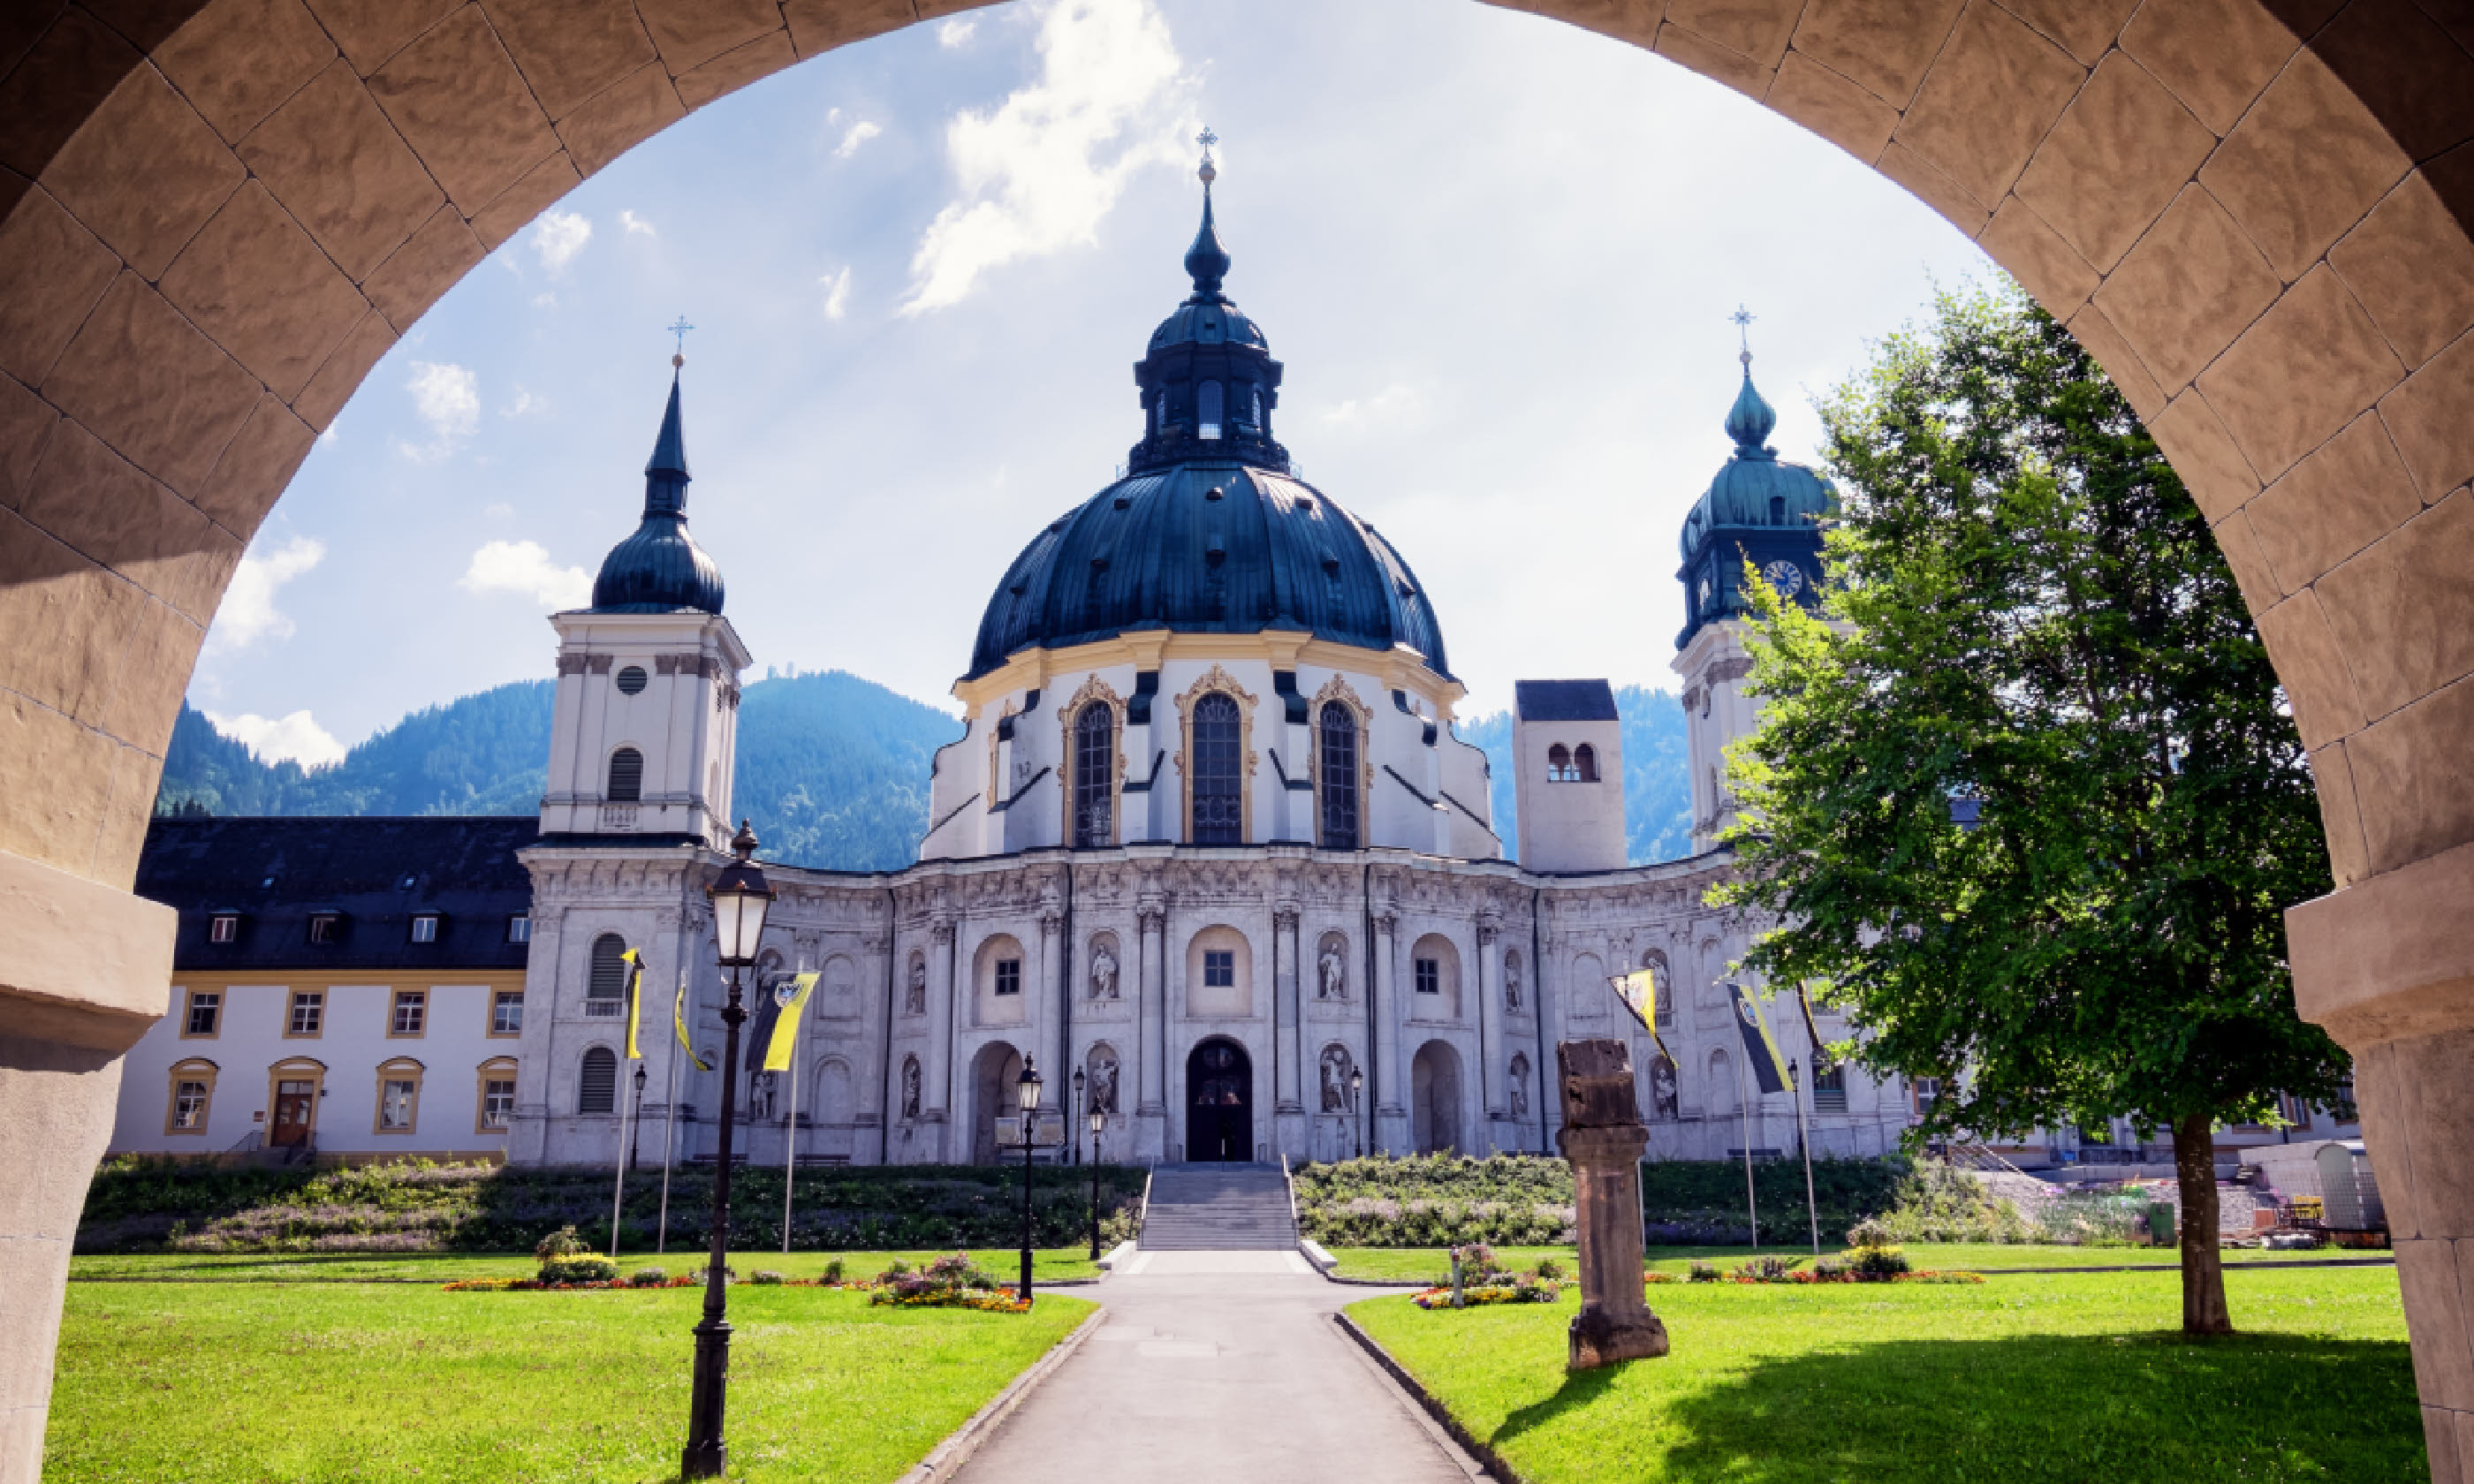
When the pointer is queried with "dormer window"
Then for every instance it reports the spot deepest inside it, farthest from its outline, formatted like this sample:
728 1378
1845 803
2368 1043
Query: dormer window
425 927
326 926
223 927
1257 422
519 928
1207 413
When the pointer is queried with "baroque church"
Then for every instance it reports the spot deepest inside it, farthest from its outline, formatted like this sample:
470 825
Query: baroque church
1208 839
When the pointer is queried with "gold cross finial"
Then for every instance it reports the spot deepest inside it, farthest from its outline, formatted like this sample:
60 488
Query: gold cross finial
1742 320
680 329
1209 173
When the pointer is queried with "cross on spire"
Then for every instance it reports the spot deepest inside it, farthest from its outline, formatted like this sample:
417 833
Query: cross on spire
680 329
1209 172
1742 320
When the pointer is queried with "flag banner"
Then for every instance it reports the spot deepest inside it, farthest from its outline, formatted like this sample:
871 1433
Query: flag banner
679 1024
1639 992
635 995
1769 1068
789 999
1820 1048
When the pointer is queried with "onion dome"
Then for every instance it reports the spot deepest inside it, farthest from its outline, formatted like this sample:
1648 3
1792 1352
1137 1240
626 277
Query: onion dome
1758 507
660 568
1210 532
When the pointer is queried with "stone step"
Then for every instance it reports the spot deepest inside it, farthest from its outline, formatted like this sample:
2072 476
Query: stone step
1218 1208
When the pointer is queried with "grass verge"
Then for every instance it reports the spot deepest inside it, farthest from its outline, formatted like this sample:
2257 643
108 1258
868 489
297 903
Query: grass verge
1047 1266
1430 1264
223 1381
2065 1377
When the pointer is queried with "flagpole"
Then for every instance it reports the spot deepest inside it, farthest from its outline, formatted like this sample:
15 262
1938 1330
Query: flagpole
1744 1132
1804 1136
790 1143
618 1181
670 1133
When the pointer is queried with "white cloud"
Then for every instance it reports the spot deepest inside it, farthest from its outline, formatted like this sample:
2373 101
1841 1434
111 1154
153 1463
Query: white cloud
853 137
1038 172
1395 406
956 32
524 402
634 223
544 301
836 294
295 739
558 236
448 397
526 567
248 614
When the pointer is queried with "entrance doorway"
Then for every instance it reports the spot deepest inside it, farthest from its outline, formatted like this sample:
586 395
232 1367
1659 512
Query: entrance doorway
993 1075
1220 1103
1435 1098
293 1102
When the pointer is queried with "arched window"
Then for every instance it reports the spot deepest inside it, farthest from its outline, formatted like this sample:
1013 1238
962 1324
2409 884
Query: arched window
1206 416
1558 764
1778 509
1338 777
1160 412
597 1086
626 776
1258 406
609 979
1095 759
1585 764
1219 772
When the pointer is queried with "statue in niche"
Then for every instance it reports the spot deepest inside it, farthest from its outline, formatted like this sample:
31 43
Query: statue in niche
1103 1083
760 1097
914 995
1511 982
1104 972
1335 1079
1520 1086
1661 1088
910 1087
1331 981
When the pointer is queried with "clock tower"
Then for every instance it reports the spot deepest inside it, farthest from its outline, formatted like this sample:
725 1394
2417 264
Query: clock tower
1759 510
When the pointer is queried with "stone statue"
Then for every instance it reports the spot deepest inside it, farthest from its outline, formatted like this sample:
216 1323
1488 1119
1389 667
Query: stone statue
914 997
1332 974
1104 1084
760 1097
1511 984
1661 1088
1335 1079
910 1087
1104 973
1520 1086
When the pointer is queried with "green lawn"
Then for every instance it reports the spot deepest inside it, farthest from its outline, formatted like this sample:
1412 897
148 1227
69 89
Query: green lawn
1047 1265
264 1382
1423 1264
2068 1378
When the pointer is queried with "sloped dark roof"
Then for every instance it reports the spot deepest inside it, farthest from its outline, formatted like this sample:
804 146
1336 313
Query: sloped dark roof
1563 701
659 568
377 871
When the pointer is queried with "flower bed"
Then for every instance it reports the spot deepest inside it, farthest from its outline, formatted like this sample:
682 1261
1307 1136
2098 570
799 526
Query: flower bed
948 1282
1479 1279
1865 1265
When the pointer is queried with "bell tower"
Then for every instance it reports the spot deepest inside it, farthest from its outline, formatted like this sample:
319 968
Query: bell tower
645 733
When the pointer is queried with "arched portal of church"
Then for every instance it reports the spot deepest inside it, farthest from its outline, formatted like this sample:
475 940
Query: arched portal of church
1219 1102
1435 1098
994 1071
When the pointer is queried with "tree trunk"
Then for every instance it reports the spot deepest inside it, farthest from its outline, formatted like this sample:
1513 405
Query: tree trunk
2203 1267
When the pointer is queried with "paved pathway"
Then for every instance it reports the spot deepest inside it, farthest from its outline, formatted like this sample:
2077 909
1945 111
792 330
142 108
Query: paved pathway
1219 1368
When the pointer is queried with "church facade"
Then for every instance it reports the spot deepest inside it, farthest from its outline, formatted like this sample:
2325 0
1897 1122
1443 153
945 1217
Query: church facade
1208 854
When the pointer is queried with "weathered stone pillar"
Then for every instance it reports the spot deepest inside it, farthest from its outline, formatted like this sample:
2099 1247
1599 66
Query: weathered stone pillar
1493 1054
84 969
1284 1008
937 1077
1389 1061
1151 1044
1603 1136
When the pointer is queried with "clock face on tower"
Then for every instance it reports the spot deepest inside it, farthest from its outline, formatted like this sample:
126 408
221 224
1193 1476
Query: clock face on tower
1784 576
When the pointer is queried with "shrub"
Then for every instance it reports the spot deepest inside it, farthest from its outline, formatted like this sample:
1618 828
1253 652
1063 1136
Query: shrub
561 1243
764 1276
1703 1271
647 1278
833 1273
1548 1267
1767 1270
1877 1262
569 1271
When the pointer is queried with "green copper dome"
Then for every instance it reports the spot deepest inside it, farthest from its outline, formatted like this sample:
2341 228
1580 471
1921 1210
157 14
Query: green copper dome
1760 507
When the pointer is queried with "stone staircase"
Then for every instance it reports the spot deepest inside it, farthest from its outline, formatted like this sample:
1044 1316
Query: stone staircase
1219 1207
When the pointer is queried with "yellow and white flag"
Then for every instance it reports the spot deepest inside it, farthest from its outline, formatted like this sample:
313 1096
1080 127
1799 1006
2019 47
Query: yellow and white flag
790 998
1639 992
679 1025
635 995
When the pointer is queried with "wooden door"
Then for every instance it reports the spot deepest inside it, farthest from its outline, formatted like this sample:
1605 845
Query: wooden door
292 1106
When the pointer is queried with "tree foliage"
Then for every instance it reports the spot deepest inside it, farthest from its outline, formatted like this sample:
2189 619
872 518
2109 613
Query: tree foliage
2027 611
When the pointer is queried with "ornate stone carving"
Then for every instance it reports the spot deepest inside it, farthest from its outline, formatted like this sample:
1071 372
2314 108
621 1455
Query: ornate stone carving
910 1087
915 988
1331 969
941 934
1512 983
1103 971
1101 1068
1336 1068
1284 918
1518 1086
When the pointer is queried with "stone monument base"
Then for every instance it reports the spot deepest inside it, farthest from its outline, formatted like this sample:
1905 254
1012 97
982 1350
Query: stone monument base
1601 1338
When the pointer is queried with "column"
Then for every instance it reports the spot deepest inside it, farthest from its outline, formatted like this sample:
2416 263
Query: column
1285 1029
936 1075
1049 1015
1151 1044
1491 1047
1392 1099
1603 1137
871 1140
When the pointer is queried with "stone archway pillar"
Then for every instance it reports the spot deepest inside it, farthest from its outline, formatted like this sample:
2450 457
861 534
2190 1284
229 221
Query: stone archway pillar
84 969
937 1092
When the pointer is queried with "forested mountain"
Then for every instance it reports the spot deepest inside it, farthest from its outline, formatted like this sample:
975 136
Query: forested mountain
1657 795
833 769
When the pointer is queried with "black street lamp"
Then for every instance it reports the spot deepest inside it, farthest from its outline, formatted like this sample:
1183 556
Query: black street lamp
740 897
1025 1089
1098 1126
1356 1084
636 1140
1078 1119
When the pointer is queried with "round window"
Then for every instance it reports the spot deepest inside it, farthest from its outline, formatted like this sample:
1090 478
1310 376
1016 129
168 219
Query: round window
631 680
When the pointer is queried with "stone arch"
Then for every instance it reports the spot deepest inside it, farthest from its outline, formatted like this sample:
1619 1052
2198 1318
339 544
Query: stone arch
1435 1099
836 1107
994 1069
999 998
221 216
1204 997
1442 1000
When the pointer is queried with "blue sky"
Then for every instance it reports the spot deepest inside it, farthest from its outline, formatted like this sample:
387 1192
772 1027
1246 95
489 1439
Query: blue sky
1497 254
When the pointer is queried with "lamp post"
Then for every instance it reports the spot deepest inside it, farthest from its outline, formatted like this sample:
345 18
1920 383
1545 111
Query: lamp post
1027 1094
1356 1084
740 897
1078 1119
1098 1126
636 1140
